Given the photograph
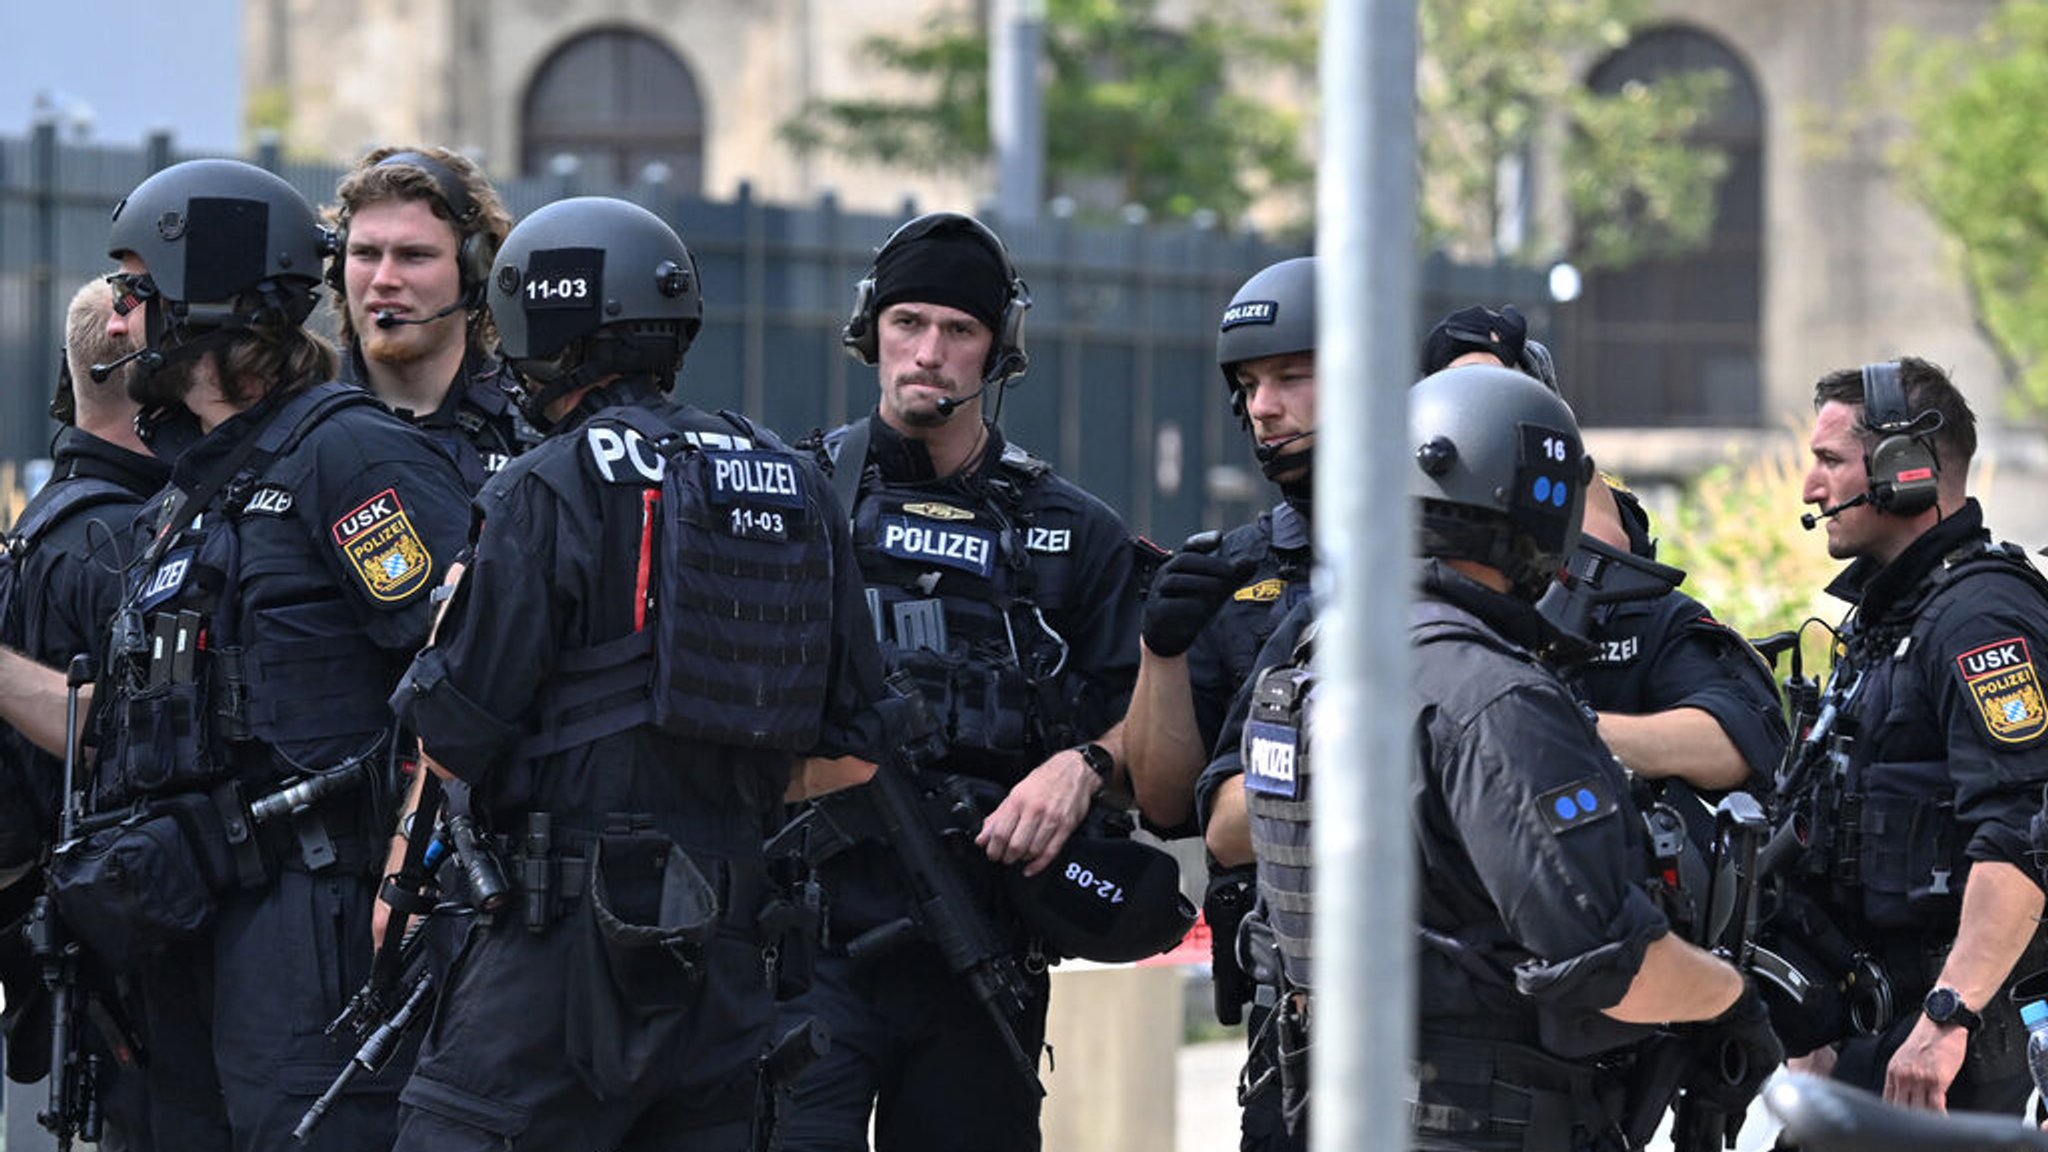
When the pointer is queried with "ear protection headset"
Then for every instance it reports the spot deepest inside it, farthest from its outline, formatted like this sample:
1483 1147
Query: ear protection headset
1902 466
477 247
1006 356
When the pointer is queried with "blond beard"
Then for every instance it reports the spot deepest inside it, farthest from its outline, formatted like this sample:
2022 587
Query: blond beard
395 347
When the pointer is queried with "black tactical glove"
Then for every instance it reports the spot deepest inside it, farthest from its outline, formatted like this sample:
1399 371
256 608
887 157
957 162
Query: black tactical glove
1188 590
1736 1051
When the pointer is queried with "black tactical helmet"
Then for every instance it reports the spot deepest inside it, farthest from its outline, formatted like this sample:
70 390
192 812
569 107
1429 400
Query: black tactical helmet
1272 315
590 264
226 244
1106 898
1500 471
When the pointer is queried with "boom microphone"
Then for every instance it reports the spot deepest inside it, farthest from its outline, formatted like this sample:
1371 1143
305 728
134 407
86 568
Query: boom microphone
1267 453
946 404
386 318
150 357
1811 520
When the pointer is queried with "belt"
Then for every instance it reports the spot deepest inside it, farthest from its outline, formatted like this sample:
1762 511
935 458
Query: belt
1469 1086
549 873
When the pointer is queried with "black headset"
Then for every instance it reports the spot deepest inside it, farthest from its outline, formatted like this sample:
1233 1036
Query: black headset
1903 469
477 246
1006 357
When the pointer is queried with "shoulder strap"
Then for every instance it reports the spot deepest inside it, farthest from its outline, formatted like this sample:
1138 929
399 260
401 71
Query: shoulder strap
759 436
849 464
57 501
302 413
281 431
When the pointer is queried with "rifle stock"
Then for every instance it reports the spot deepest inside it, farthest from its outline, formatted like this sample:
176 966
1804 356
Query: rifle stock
74 1108
891 809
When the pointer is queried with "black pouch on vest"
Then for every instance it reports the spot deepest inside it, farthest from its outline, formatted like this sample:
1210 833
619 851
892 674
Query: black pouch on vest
145 884
744 638
1906 851
636 961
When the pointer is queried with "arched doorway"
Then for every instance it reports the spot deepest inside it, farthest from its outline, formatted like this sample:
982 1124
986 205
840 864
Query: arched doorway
618 101
1678 341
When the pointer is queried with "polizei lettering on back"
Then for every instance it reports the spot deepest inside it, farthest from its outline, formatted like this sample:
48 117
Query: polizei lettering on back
754 478
968 549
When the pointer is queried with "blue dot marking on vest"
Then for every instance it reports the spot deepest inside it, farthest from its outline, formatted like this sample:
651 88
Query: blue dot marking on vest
1542 492
1576 805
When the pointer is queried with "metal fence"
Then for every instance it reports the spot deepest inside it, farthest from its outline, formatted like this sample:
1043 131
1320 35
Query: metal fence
1123 395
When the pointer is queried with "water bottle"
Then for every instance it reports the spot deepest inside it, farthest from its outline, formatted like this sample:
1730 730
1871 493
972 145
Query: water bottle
2035 1014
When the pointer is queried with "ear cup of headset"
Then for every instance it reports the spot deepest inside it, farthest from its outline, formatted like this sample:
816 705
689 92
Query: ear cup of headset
859 335
1007 358
336 275
473 264
1903 473
474 253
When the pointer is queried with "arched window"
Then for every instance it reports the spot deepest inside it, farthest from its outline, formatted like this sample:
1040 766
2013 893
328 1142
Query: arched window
1677 341
618 101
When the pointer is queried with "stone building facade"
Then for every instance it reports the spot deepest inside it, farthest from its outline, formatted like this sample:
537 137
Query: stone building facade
1821 261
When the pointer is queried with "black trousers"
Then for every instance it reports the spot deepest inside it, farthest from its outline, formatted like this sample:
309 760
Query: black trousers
494 1071
914 1048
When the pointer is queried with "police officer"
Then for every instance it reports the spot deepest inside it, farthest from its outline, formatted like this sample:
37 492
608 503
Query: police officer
1920 861
59 584
1209 611
1679 694
1542 950
1208 614
283 578
650 629
417 229
1005 594
67 549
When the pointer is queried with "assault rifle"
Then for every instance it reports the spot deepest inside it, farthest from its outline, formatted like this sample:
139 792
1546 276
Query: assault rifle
378 1014
916 818
1673 1059
1810 781
74 1108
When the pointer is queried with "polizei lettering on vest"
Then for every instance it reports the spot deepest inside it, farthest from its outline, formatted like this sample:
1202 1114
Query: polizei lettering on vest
753 475
918 542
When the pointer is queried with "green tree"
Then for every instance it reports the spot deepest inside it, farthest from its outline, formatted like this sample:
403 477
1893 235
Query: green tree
1973 158
1168 118
1134 113
1499 77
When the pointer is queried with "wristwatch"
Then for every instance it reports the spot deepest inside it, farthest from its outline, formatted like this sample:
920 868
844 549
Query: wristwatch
1944 1005
1098 758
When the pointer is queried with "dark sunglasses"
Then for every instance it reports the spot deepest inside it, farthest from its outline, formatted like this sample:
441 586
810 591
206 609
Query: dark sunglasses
131 290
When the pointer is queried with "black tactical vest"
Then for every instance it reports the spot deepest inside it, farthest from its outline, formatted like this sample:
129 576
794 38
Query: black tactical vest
950 586
1276 792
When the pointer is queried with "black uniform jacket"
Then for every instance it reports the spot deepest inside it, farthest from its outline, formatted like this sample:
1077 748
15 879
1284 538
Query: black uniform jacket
559 564
1533 859
1958 680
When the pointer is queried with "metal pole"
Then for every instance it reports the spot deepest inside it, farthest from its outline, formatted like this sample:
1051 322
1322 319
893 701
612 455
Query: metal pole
1016 114
1364 865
